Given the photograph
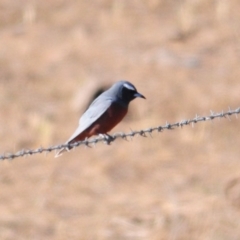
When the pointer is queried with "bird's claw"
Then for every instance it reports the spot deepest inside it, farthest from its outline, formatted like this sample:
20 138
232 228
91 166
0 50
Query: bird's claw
106 138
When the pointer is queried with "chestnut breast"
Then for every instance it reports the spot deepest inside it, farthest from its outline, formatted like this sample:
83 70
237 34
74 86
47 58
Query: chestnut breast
108 120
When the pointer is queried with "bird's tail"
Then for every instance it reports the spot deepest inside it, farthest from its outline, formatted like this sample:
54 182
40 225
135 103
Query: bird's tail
61 151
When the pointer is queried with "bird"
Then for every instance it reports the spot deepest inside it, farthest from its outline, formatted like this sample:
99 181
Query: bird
104 113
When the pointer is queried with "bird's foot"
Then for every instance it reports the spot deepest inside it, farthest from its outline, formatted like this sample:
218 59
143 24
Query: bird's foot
106 138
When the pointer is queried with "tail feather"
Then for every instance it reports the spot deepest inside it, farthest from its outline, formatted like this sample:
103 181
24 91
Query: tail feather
67 149
61 151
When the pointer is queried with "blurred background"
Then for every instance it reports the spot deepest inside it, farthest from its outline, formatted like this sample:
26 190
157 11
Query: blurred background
183 56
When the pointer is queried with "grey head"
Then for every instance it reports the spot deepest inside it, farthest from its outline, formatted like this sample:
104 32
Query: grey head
123 92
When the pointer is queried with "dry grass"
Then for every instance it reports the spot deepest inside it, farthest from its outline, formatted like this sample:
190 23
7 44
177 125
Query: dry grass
184 56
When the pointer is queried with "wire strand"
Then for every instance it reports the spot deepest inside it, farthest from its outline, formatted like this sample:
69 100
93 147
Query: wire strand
111 138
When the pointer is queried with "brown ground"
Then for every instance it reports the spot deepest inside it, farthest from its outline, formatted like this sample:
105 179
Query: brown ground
183 56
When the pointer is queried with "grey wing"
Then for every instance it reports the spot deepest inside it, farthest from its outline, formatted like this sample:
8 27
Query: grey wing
95 110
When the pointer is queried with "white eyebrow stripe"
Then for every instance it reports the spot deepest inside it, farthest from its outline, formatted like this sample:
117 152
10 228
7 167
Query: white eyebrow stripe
128 86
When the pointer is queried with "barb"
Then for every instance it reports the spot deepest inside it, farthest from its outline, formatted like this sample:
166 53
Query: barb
111 138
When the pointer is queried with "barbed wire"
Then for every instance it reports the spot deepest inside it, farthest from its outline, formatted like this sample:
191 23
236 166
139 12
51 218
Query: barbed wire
111 138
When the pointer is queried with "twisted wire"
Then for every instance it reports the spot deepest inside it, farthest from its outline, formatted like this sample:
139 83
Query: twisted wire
111 138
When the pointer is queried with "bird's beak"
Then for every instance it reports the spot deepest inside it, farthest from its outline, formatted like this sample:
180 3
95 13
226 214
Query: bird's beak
139 95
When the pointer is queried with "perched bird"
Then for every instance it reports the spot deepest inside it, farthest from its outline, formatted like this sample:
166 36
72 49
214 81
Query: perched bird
105 112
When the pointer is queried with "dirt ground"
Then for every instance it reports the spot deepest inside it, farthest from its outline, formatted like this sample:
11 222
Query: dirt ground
183 56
